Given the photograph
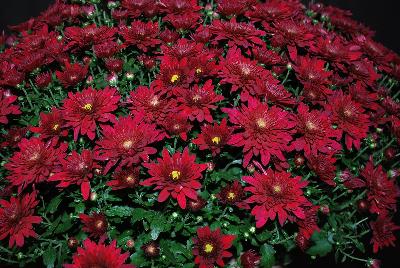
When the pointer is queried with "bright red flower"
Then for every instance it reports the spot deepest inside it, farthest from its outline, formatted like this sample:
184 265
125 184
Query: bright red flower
311 72
214 137
79 38
210 247
72 74
177 176
99 255
175 8
83 110
173 73
323 165
274 92
382 192
382 232
196 102
16 218
51 126
233 194
276 194
181 126
237 33
125 178
316 132
263 130
34 162
96 224
6 105
350 118
141 34
77 169
126 143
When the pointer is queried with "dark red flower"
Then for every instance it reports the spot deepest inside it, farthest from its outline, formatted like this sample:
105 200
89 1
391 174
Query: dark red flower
51 126
42 80
263 130
367 99
135 8
177 124
79 38
14 136
9 75
83 110
233 8
77 169
125 178
316 132
151 249
177 176
34 162
213 137
311 72
106 49
99 255
324 166
250 259
114 65
141 34
350 118
382 232
276 194
126 143
197 102
382 192
196 205
72 74
233 194
364 71
96 224
6 105
173 73
273 11
210 247
16 218
308 225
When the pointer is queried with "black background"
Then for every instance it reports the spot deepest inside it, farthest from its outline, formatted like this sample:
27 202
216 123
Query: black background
381 16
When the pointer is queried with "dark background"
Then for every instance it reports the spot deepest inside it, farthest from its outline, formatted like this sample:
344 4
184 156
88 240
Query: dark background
381 16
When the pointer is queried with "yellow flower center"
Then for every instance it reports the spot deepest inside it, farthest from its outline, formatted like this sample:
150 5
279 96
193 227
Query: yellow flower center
55 127
216 140
311 126
130 179
99 224
127 144
196 97
174 78
231 195
277 189
87 107
35 156
198 70
208 248
175 174
261 123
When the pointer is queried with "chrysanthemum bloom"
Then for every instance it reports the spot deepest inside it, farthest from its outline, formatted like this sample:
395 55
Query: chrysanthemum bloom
106 49
177 176
77 169
360 94
96 224
250 259
135 8
229 8
350 118
83 110
273 11
72 74
196 205
382 192
177 124
273 92
237 33
79 38
127 142
99 255
13 136
316 131
151 249
51 126
323 165
6 105
214 137
308 225
42 80
34 162
233 194
141 34
276 194
210 247
364 71
16 219
197 102
125 178
262 131
382 232
311 72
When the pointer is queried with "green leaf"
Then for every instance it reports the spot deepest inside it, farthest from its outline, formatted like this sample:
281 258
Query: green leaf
49 257
267 256
322 246
54 203
120 211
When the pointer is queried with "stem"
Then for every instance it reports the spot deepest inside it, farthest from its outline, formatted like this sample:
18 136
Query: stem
7 260
27 97
357 223
286 77
352 257
284 240
237 161
223 214
360 152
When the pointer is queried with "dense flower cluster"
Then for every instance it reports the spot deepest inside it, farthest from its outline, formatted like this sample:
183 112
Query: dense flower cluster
181 129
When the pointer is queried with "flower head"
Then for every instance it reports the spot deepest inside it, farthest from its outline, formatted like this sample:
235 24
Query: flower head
72 74
6 106
214 137
51 126
125 178
96 224
382 232
233 194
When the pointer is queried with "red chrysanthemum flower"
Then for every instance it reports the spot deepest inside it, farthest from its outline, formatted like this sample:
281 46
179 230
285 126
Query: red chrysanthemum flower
83 110
233 194
316 130
42 80
177 124
177 176
238 33
135 8
274 92
34 162
175 8
210 247
51 126
308 225
324 166
229 8
364 71
214 137
311 72
382 232
276 194
173 73
141 34
96 224
77 169
273 11
126 143
16 219
72 74
99 255
263 131
79 38
382 192
6 105
196 102
350 118
13 136
126 178
367 99
250 259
